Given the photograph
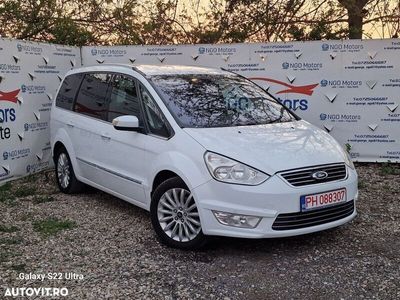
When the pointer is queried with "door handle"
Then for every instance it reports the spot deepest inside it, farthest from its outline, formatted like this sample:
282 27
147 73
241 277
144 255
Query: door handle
70 124
105 136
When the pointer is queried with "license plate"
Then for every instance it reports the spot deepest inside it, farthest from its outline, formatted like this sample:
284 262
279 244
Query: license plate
309 202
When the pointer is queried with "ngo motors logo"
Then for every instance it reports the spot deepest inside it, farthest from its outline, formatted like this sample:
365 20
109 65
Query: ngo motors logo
36 167
33 89
19 47
16 153
202 50
325 47
285 65
36 126
339 117
341 83
94 51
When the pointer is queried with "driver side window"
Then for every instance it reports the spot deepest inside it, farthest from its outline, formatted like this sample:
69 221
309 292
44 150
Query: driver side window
123 98
154 117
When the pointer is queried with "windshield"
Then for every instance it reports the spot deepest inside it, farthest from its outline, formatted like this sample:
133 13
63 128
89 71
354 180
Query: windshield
214 100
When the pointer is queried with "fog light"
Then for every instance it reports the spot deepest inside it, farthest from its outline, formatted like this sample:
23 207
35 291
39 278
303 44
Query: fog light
236 220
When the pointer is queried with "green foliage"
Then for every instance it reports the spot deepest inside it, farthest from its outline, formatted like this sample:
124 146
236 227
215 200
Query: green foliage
390 168
24 191
5 194
19 268
11 241
5 187
52 226
8 229
348 147
66 31
37 199
362 184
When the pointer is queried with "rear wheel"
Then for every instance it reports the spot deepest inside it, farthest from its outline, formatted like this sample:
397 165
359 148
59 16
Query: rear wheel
65 175
175 216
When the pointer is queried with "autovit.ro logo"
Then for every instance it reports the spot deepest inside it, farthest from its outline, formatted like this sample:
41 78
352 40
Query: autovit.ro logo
36 292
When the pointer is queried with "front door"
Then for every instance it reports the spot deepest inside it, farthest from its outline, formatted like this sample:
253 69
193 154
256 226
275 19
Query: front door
123 152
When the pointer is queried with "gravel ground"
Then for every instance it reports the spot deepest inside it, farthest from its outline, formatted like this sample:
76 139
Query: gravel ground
112 245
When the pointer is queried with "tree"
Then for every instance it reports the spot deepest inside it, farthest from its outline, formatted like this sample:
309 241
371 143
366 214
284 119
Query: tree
355 12
87 22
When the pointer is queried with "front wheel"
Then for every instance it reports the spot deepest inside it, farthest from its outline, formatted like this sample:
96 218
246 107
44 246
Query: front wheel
175 216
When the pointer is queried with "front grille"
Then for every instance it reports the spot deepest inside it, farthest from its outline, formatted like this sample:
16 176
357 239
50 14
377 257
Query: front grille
304 176
313 218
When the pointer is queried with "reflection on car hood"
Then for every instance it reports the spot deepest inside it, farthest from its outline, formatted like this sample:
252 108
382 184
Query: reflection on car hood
272 147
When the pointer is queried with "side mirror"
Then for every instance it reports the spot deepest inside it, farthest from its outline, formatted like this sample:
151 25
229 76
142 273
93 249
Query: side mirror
126 123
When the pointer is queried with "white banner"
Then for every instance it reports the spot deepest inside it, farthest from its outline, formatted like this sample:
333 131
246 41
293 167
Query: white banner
349 88
30 74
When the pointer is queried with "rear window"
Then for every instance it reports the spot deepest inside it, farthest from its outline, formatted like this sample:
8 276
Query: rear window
66 95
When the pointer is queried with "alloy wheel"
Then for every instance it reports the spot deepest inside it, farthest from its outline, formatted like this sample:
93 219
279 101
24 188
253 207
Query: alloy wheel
178 215
63 170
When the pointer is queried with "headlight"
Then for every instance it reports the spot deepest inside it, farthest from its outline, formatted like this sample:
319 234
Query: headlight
348 161
228 170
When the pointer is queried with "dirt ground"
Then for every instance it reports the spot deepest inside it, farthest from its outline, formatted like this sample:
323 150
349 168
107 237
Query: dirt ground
109 247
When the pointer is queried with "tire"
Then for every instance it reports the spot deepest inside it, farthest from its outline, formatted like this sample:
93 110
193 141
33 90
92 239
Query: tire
176 223
63 167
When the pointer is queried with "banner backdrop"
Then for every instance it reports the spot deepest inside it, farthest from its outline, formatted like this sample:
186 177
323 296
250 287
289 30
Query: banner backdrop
349 88
29 77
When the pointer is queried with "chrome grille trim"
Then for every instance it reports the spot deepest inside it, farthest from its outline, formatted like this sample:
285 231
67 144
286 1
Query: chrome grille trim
303 176
291 221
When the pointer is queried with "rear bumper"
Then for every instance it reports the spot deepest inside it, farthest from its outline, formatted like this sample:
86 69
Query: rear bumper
268 200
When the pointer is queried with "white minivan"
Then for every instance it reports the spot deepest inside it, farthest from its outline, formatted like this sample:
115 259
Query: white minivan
206 151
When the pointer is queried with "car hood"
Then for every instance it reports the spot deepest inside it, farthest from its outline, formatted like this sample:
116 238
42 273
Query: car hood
272 147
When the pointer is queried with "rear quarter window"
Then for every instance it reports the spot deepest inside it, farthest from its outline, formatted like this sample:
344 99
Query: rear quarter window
69 88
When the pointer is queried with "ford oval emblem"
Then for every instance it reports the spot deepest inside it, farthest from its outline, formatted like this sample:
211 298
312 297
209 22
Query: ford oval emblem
319 175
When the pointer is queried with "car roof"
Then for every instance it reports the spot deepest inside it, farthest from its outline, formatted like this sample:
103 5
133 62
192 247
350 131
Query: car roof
151 70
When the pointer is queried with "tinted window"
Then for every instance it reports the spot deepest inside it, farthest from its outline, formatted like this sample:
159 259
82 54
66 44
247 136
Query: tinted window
154 117
66 95
91 98
214 100
123 99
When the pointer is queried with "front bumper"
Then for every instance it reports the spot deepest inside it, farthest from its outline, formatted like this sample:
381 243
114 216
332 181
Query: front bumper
267 200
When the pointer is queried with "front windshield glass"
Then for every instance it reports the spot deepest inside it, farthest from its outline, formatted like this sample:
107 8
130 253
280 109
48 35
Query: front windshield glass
215 100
